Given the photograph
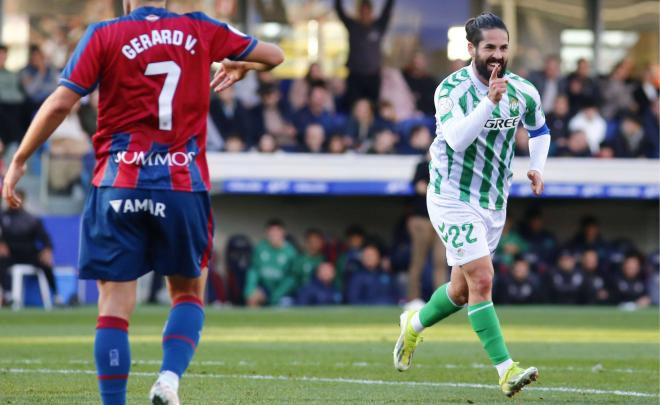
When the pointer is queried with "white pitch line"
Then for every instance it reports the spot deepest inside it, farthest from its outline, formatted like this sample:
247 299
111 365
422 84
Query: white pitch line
347 381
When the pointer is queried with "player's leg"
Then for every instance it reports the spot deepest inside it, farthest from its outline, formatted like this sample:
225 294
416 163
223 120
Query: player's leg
112 249
483 318
111 347
181 248
182 332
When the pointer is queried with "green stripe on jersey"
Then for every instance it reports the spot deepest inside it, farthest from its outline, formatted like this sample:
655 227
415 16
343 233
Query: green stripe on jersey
450 159
489 153
499 203
468 171
438 181
530 110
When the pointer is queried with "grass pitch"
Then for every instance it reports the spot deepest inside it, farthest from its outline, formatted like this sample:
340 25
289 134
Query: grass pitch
341 355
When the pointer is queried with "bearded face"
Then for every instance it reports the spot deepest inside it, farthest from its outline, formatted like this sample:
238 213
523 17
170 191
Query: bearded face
486 64
493 49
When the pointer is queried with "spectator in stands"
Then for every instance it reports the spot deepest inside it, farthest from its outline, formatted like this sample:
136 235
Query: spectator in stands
651 120
230 116
299 91
423 239
648 89
365 38
421 83
521 141
557 122
629 284
320 289
337 144
11 103
39 79
417 142
314 139
384 142
577 145
589 237
595 287
511 245
580 87
589 120
566 280
362 124
28 242
371 284
520 286
238 257
267 144
548 82
306 263
234 144
542 244
387 115
271 279
630 140
348 262
395 90
272 116
616 90
67 146
316 111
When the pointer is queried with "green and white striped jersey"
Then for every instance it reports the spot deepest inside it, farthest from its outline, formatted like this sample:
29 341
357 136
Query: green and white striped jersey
481 175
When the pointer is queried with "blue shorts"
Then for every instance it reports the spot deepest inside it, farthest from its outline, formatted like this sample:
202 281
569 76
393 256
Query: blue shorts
126 233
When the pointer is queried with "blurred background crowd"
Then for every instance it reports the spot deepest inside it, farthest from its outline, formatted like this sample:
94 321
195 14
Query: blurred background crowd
380 103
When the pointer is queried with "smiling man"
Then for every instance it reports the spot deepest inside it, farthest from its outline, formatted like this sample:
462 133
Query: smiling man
478 109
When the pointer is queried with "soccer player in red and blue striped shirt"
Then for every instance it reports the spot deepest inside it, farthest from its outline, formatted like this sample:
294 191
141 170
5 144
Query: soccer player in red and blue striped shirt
149 205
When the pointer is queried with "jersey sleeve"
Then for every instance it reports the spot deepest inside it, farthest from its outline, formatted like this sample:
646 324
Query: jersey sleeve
83 71
534 118
225 41
447 108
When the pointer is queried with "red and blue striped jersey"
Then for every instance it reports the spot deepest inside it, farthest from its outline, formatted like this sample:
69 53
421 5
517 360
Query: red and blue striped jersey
152 68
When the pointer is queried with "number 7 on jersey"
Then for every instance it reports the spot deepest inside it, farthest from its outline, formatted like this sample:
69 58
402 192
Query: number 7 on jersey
173 72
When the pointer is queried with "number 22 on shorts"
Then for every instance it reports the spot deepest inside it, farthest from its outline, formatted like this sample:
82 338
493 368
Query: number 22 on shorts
457 235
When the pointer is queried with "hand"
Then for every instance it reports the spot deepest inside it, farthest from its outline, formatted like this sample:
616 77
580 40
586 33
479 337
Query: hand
537 182
229 73
46 257
14 174
496 86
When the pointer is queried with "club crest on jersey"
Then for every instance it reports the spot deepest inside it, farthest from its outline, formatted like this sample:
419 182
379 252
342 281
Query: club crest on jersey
502 123
514 106
445 105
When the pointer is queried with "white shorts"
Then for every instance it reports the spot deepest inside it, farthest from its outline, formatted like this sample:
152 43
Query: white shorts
468 232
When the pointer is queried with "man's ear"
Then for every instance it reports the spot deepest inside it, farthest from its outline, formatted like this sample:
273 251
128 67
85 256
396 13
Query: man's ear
471 49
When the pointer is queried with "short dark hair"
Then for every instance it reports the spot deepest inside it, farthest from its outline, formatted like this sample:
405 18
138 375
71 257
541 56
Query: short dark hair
274 222
484 21
3 48
314 231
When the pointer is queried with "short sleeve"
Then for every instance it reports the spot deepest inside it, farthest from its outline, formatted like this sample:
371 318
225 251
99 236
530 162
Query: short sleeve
534 118
225 41
83 71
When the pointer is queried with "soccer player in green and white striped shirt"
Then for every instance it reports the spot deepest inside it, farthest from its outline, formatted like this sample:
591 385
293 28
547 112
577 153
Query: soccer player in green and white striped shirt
478 109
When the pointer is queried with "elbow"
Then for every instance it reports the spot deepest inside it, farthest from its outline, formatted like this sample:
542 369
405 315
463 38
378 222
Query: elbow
277 58
58 107
456 147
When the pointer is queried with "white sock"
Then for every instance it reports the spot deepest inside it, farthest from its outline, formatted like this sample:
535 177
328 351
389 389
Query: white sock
416 323
503 366
170 379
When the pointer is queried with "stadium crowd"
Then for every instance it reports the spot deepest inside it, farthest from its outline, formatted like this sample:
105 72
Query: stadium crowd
589 116
532 266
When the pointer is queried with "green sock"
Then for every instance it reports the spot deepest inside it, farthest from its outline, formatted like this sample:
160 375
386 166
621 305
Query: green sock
438 308
485 323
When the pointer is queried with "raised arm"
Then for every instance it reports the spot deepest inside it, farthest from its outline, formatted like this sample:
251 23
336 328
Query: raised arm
265 56
339 9
385 16
460 130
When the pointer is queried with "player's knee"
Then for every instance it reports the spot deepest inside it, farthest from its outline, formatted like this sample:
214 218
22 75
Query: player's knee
459 296
482 283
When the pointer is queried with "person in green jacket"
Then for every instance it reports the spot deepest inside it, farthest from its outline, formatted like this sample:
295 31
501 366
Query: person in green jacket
305 264
270 279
